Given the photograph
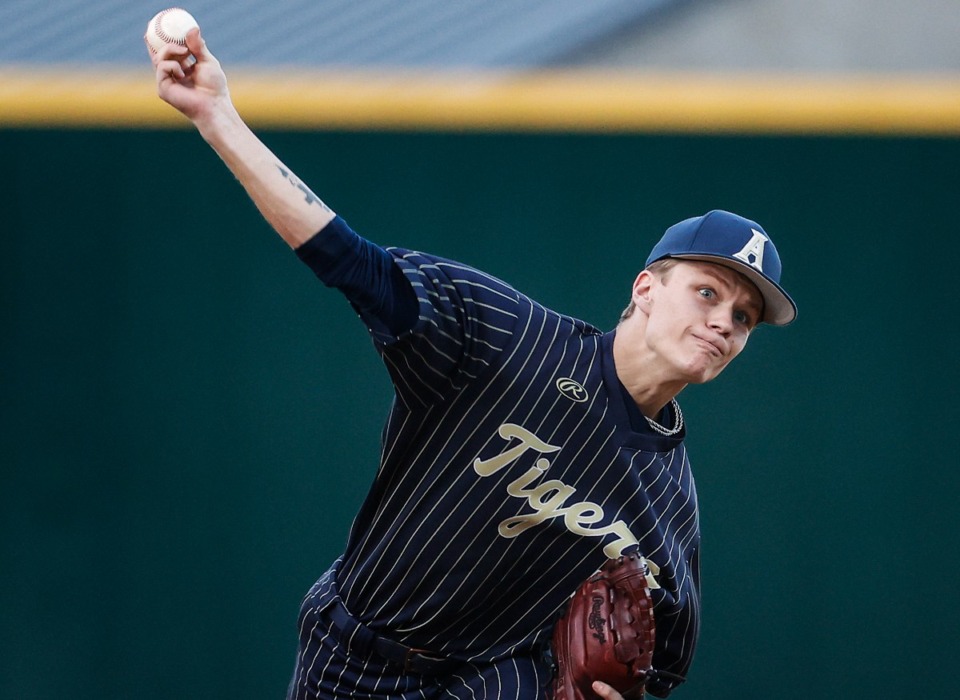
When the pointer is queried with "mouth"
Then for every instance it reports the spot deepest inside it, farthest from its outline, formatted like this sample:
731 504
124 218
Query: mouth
710 346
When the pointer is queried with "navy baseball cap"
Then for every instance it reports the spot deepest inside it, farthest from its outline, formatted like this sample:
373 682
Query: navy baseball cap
735 242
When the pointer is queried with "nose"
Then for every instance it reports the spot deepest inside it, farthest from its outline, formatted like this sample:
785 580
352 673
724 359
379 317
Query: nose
721 320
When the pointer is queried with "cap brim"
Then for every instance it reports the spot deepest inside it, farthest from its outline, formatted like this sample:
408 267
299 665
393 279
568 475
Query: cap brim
778 308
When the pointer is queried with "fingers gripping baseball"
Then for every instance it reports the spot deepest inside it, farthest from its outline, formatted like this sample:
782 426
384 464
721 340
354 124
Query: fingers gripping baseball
189 76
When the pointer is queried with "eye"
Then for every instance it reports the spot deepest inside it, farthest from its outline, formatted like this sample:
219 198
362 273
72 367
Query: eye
706 293
743 317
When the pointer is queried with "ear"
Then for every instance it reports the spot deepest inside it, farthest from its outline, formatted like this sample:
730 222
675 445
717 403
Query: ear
642 290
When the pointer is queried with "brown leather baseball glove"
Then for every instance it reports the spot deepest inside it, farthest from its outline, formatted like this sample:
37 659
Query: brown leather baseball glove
607 633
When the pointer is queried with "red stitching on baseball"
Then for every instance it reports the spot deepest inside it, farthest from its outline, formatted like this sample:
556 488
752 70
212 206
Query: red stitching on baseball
166 38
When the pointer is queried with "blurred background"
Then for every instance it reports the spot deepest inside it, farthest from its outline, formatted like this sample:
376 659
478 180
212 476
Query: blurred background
189 420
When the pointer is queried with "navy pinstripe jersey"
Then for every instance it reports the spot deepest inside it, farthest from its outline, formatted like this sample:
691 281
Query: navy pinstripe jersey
509 471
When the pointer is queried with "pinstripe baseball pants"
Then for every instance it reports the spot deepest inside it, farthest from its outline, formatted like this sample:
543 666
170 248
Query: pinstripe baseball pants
333 662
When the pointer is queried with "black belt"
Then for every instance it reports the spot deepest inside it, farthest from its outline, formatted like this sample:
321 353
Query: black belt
363 639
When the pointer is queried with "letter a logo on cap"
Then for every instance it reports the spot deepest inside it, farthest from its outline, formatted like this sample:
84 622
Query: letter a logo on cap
752 252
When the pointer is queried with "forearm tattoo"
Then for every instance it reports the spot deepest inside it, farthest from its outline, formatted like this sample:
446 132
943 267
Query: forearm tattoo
309 196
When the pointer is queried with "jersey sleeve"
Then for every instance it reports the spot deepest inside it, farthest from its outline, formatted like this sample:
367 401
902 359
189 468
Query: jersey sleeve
365 273
437 324
465 326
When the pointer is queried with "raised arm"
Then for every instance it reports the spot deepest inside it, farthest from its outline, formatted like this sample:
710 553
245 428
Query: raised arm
199 91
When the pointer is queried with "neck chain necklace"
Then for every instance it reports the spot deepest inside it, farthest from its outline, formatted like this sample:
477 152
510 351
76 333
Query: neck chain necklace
678 420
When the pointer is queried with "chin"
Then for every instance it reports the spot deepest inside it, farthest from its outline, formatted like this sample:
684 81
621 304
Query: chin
698 374
700 378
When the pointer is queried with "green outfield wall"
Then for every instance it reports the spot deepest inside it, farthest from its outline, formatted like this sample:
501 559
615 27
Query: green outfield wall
190 420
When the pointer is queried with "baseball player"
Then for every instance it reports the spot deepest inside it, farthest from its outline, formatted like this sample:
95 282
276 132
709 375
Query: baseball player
523 447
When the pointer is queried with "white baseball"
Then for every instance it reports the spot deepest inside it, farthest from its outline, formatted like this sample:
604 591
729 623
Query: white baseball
169 27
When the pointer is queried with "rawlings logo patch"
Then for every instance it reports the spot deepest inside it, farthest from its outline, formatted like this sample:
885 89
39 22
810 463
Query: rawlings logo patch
573 390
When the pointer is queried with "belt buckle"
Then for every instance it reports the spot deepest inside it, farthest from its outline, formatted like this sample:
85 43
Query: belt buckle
413 655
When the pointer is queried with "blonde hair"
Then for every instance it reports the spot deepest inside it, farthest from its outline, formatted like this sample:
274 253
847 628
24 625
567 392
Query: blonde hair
661 269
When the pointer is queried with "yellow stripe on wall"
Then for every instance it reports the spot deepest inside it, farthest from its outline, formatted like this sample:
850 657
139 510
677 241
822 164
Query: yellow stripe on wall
577 101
